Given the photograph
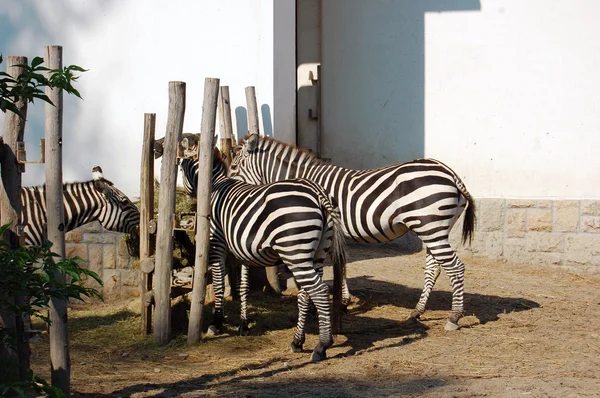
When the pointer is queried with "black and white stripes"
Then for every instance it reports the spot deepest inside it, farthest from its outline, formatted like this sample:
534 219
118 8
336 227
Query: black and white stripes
291 222
378 205
83 202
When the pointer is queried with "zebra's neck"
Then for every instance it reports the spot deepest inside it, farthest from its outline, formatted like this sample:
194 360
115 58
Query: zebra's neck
80 200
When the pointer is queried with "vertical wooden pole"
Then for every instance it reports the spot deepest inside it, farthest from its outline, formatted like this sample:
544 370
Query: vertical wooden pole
147 214
205 158
10 208
226 124
253 124
59 339
232 265
166 213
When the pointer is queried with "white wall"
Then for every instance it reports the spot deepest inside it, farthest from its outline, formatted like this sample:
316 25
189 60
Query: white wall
513 97
506 92
132 49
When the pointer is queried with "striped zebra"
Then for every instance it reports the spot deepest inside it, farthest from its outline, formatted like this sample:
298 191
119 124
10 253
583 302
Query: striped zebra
379 205
288 222
84 202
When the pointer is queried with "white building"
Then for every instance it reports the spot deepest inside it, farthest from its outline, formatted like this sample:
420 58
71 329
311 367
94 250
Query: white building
506 92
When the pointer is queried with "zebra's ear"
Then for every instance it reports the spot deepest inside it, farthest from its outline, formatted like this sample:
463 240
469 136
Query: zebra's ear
102 187
252 142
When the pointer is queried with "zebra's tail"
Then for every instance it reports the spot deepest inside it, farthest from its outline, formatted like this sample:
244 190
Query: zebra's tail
470 219
337 252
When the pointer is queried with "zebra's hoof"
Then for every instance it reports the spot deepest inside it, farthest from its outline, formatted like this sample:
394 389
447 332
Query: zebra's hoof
316 356
244 330
213 330
296 347
451 326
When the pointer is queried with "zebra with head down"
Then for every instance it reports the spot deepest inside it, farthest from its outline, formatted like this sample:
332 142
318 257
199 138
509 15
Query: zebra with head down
84 202
288 222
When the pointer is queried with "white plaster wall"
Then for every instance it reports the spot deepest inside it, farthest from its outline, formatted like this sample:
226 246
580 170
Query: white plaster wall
513 97
506 92
132 49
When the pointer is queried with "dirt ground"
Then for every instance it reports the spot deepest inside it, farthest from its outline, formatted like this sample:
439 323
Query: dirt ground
530 331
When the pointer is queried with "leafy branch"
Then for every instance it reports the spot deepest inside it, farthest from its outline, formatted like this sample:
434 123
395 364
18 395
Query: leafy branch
31 83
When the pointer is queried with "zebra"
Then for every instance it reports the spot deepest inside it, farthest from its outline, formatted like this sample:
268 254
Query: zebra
379 205
291 222
84 202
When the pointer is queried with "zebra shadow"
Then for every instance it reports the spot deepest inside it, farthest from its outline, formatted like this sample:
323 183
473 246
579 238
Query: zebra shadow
371 293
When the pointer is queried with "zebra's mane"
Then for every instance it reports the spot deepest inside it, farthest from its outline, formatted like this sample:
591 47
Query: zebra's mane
70 184
313 160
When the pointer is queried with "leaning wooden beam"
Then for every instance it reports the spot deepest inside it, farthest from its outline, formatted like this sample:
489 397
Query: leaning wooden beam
205 155
59 339
10 207
147 214
254 129
166 212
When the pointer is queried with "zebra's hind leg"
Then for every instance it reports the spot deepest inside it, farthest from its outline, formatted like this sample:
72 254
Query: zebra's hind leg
432 271
455 269
303 308
244 288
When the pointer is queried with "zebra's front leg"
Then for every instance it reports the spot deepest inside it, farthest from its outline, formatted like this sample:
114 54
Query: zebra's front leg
432 271
217 262
244 288
303 309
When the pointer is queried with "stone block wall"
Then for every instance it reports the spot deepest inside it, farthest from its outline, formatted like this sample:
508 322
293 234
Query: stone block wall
106 254
556 232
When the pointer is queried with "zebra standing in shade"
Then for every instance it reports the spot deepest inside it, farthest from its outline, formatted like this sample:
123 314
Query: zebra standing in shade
83 202
290 222
379 205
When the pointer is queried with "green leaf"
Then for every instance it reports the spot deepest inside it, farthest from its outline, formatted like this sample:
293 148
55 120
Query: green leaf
37 61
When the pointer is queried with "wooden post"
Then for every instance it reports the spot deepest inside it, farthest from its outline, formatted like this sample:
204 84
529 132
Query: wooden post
10 208
166 214
205 158
226 124
59 339
253 124
147 214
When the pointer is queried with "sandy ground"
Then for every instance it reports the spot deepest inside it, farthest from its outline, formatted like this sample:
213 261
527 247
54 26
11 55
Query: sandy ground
531 331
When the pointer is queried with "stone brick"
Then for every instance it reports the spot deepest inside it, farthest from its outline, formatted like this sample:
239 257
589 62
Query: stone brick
108 256
72 250
520 203
130 277
539 220
583 243
95 259
516 221
487 244
491 215
540 258
546 242
93 227
544 204
121 246
112 284
566 215
590 224
74 236
589 207
515 249
124 262
99 238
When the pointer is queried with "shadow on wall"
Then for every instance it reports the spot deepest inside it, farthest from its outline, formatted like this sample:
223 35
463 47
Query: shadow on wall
241 121
373 79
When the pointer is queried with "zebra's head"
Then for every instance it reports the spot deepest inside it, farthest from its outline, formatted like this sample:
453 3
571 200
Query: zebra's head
116 212
244 164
